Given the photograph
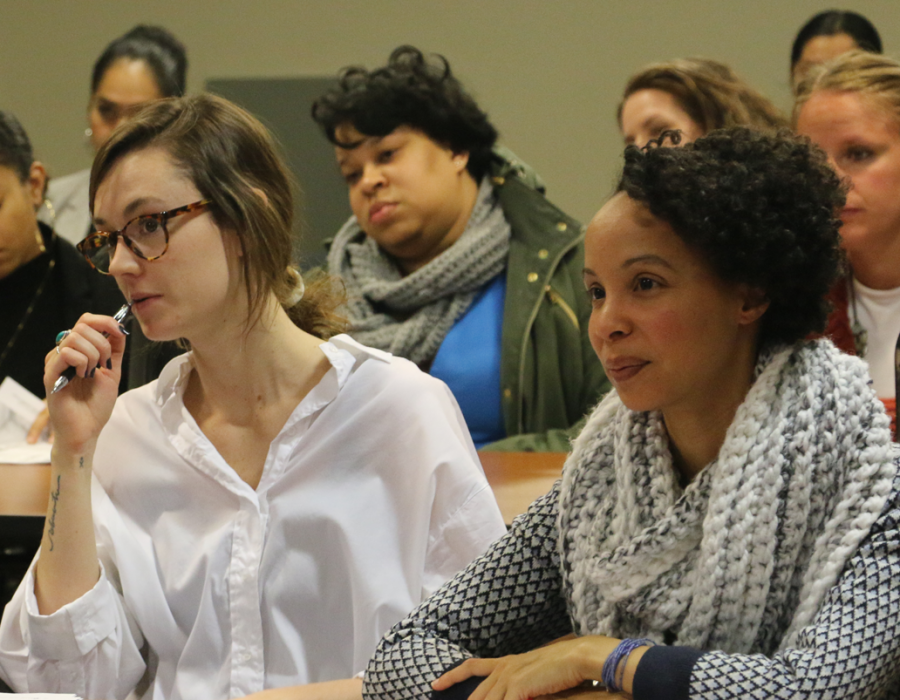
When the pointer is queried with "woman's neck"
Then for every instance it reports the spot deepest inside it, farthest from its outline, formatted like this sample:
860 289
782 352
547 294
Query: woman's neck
695 440
697 433
29 252
877 269
466 196
242 370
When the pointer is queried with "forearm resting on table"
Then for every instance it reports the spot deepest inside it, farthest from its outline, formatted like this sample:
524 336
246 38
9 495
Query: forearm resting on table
68 566
344 689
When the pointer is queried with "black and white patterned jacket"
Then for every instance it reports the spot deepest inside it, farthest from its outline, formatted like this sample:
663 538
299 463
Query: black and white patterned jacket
512 599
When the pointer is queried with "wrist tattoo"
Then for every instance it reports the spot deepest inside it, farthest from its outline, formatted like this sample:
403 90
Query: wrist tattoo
54 495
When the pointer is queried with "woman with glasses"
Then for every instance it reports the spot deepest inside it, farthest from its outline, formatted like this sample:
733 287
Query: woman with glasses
279 497
146 63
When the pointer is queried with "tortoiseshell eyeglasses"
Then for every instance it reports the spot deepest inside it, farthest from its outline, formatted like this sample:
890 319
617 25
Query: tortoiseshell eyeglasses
146 236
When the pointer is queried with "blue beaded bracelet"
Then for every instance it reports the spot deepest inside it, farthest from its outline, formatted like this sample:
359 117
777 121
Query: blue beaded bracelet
610 675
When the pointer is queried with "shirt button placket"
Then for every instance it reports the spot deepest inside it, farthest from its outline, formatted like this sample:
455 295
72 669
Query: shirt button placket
247 668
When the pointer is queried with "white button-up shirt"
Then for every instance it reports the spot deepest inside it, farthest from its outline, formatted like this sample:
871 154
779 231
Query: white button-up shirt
371 496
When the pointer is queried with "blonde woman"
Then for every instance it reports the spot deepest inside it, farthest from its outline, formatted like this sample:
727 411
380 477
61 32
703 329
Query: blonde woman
850 107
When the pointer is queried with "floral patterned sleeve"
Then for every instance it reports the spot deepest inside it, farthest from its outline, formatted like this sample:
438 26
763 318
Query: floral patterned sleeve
507 601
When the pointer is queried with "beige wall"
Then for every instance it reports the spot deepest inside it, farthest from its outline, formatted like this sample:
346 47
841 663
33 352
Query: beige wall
549 72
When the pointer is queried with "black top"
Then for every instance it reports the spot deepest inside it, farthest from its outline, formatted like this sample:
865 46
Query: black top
61 293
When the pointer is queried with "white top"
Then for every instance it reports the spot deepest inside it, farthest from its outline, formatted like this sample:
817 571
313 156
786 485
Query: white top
372 495
70 214
878 311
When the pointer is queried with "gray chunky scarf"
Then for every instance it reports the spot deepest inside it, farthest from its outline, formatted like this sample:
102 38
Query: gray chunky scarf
410 316
743 557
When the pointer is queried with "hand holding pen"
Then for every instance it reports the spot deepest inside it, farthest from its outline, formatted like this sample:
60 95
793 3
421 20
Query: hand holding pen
89 358
70 373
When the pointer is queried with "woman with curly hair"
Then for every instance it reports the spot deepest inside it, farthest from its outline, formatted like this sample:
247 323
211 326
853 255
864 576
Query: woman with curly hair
693 95
727 522
850 107
454 258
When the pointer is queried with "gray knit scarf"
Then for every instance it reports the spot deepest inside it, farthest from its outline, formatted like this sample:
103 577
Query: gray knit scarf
410 316
742 558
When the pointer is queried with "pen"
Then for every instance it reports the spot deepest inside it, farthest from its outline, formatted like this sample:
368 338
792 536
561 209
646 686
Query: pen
69 373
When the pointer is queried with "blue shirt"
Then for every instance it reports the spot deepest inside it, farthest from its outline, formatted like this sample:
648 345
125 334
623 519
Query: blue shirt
468 361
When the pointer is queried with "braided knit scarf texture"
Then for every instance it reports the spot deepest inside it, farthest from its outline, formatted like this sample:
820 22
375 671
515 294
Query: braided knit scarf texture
410 316
743 557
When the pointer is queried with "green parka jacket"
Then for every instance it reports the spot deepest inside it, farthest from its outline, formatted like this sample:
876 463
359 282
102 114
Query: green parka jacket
550 376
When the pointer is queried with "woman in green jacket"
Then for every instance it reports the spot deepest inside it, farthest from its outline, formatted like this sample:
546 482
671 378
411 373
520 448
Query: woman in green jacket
454 258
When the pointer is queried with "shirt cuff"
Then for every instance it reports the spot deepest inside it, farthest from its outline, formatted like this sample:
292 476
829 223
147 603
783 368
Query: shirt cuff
460 691
664 673
74 629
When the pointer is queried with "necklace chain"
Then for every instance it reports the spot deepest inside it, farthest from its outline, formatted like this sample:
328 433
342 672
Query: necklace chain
860 334
34 300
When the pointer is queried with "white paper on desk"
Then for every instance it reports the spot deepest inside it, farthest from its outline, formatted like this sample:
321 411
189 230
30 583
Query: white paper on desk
40 696
23 453
18 409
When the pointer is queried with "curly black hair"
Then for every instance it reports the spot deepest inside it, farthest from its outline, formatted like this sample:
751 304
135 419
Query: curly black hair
410 91
761 209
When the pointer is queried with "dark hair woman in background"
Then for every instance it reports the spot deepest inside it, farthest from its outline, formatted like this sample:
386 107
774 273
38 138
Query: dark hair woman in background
694 96
454 258
828 35
45 284
144 64
263 512
735 500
